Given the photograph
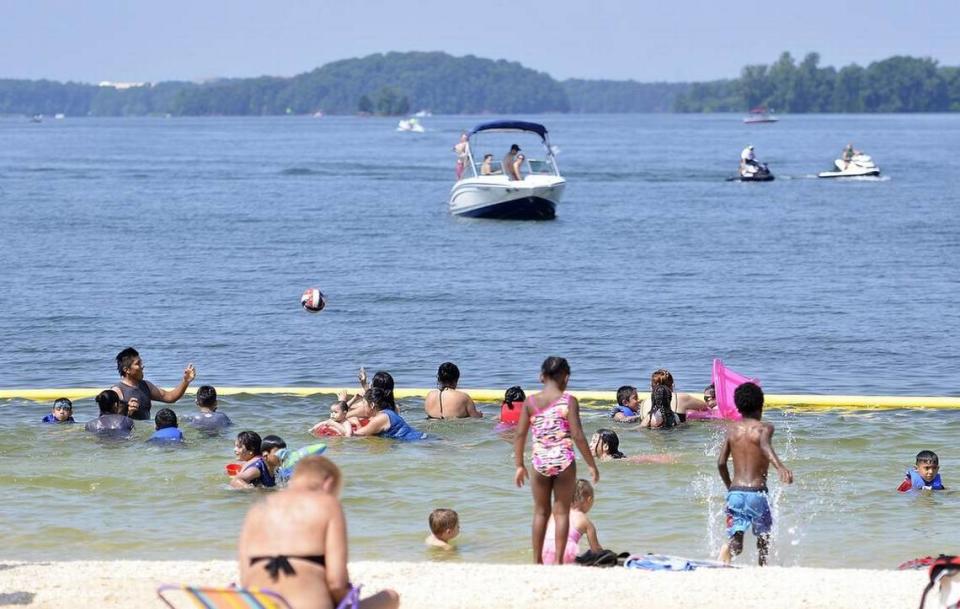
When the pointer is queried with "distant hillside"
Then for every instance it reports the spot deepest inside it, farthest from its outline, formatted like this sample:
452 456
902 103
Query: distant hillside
622 96
401 83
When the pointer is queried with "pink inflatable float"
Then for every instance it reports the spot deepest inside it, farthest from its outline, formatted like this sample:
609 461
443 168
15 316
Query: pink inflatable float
726 382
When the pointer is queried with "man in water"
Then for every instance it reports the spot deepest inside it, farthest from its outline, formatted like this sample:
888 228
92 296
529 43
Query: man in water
137 393
749 442
508 163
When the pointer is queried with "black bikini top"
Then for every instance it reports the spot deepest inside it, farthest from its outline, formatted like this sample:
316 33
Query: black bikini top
281 564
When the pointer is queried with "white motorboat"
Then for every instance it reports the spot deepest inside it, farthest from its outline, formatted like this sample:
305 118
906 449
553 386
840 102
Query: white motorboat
410 124
861 165
496 195
759 115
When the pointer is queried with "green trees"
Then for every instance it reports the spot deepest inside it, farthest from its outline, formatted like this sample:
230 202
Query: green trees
897 84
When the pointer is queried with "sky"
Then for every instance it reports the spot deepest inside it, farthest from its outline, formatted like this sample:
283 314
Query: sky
644 40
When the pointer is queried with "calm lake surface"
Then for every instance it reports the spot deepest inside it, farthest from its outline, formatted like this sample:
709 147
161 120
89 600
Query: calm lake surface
192 240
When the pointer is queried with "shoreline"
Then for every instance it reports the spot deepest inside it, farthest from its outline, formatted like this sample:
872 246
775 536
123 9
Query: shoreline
448 585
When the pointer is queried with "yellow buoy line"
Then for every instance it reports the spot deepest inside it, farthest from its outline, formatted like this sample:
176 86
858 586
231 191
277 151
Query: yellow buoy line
804 402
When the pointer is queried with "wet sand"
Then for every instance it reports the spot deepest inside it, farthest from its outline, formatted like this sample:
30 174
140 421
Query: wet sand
116 584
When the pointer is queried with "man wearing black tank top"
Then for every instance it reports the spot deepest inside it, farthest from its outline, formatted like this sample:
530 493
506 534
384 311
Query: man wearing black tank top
137 393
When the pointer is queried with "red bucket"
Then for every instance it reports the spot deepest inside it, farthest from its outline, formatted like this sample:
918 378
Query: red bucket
233 468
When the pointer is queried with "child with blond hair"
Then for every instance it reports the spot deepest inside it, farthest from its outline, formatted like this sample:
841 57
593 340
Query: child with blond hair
580 525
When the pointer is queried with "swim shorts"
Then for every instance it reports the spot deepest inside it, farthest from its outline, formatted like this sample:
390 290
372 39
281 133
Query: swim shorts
746 508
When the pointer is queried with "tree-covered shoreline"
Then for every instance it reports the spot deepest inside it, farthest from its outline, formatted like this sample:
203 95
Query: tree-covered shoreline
399 83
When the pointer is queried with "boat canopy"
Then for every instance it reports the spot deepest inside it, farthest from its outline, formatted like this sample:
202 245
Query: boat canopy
512 126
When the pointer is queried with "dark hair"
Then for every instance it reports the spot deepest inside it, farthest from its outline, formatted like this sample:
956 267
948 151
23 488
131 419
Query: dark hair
165 418
487 156
612 440
710 387
125 359
63 403
108 401
447 374
661 398
624 393
249 441
376 397
383 380
514 394
928 456
271 442
206 396
749 400
554 368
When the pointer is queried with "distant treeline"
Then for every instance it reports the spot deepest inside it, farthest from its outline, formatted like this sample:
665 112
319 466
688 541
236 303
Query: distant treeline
897 84
400 83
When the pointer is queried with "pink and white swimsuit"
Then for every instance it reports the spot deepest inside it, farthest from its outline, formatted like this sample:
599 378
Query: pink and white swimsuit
552 446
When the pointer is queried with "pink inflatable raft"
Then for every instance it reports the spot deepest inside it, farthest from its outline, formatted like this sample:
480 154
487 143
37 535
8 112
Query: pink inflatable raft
726 382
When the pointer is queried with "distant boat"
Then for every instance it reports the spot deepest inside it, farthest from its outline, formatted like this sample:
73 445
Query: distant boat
424 114
410 124
59 116
759 115
318 114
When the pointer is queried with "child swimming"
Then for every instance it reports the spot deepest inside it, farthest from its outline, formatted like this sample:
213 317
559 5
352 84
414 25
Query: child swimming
605 446
926 474
62 412
112 420
209 419
554 416
386 423
444 527
511 405
167 430
627 409
338 422
748 441
580 525
261 469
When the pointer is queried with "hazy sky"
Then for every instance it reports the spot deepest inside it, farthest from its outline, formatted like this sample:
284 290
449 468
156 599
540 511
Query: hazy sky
144 40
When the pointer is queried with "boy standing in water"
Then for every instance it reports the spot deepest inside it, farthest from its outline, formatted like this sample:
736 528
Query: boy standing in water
749 442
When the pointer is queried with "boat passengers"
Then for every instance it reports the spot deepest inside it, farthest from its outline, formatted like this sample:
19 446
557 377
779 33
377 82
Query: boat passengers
509 164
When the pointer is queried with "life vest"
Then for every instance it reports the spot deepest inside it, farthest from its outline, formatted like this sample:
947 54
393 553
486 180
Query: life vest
914 481
624 410
510 412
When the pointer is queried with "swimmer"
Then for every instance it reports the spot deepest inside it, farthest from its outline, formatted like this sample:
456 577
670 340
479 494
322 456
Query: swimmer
386 423
260 470
316 473
749 443
209 419
62 412
295 543
444 527
580 525
660 415
113 420
680 403
605 446
511 405
359 407
137 394
167 431
459 404
926 474
627 409
554 416
338 422
710 396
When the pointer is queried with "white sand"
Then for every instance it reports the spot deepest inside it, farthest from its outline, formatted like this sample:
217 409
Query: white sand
105 584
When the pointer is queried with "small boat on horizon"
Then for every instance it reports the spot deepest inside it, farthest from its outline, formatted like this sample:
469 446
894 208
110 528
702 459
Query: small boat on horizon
759 115
410 124
486 190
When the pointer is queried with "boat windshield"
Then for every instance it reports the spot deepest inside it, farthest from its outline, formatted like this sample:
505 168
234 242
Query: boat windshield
537 157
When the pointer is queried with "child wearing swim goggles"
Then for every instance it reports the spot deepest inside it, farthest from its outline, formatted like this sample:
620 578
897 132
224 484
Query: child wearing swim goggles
62 412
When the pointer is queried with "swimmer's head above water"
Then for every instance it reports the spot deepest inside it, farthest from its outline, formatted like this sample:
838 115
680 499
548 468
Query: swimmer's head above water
207 398
62 409
606 443
165 418
270 446
383 380
247 446
109 402
627 396
661 376
444 523
710 396
928 465
448 375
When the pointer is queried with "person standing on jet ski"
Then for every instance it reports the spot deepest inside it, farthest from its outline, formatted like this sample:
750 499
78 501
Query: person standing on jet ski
748 158
848 153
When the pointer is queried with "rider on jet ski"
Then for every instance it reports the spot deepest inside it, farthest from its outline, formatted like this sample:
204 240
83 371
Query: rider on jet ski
848 153
747 158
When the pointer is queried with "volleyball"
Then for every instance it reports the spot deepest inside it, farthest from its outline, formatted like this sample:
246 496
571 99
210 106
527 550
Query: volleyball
313 300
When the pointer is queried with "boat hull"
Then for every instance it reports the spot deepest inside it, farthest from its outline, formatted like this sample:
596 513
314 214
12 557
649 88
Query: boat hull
535 198
764 178
849 174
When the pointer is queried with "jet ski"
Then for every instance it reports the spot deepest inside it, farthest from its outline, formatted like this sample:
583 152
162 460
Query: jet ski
752 173
859 166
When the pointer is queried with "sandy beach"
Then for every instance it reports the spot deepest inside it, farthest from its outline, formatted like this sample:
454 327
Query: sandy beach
106 584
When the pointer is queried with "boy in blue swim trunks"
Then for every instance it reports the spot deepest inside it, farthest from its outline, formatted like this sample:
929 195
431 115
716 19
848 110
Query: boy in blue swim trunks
749 443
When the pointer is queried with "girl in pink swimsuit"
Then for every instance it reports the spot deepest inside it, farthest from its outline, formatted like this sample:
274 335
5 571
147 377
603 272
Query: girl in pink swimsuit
580 525
554 416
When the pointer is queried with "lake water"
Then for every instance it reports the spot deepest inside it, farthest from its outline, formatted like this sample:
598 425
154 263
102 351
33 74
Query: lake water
192 239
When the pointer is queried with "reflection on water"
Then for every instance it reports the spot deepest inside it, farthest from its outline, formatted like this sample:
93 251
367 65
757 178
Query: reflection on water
70 494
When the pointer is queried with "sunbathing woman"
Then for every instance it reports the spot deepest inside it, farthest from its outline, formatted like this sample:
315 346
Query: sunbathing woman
458 405
295 544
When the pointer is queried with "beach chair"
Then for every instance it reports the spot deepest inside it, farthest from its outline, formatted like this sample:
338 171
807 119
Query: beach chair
198 597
